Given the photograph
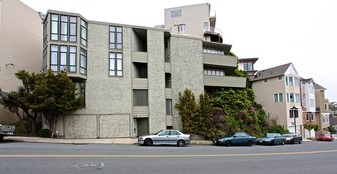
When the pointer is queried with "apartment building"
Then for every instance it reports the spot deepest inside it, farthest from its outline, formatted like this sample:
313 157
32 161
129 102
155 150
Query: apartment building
322 108
20 46
308 105
278 90
131 75
247 65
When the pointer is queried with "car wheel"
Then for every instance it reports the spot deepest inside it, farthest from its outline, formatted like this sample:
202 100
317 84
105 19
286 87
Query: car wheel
148 142
249 143
228 143
282 142
272 142
299 142
181 143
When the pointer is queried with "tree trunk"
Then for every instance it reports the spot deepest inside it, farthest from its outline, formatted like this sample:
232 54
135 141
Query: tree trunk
33 126
21 121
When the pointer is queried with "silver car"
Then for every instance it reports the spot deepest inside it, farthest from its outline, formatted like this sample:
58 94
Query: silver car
165 137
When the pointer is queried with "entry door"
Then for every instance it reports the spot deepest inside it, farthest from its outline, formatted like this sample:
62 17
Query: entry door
142 126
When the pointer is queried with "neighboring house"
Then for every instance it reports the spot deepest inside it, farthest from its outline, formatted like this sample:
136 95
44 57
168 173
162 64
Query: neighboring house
247 65
322 108
333 122
278 90
20 46
194 20
131 75
309 105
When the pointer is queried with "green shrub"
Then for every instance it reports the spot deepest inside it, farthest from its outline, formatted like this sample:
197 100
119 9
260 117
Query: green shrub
44 133
278 129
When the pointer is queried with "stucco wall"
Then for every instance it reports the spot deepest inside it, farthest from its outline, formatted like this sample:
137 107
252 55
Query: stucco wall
186 70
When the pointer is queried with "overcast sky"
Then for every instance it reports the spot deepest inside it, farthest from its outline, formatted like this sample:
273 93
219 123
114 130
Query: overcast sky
302 32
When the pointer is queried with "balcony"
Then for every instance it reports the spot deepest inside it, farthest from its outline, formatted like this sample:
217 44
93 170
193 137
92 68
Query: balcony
139 83
140 57
225 81
215 34
220 60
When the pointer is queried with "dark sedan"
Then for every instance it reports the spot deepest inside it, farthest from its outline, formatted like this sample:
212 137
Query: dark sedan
272 139
239 138
292 138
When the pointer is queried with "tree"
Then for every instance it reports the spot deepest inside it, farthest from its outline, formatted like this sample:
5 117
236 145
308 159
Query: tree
332 130
309 127
48 94
188 110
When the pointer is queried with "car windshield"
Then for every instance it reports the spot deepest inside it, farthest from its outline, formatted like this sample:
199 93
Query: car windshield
157 132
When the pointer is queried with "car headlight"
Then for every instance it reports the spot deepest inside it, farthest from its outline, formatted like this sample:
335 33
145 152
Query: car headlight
220 139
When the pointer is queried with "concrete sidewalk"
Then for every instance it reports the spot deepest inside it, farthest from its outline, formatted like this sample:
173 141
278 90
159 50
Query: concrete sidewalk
86 141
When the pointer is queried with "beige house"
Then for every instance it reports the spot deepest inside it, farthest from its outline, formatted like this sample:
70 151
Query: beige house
131 75
278 90
322 108
20 46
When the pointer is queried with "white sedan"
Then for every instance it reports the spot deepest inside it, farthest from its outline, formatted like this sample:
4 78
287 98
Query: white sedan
165 137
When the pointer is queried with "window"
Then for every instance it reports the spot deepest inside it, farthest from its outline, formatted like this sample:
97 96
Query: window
291 96
291 83
168 107
116 37
206 26
312 117
248 66
73 29
83 61
63 58
72 59
307 116
54 57
181 28
287 81
280 78
297 81
175 13
44 61
298 98
213 51
278 97
265 81
45 34
214 72
168 80
54 27
275 98
116 64
63 28
140 97
84 27
80 87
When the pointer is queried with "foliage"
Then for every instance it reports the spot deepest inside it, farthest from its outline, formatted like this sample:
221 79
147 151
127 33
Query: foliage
239 73
44 133
278 129
309 127
332 130
224 113
48 94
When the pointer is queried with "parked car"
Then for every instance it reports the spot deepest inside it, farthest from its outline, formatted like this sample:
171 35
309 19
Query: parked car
238 138
272 139
165 137
292 138
6 130
325 137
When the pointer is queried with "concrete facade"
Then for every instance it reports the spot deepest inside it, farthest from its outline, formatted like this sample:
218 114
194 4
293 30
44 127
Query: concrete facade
20 46
155 65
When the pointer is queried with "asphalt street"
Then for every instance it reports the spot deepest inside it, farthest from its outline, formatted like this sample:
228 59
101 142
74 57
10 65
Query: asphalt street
309 157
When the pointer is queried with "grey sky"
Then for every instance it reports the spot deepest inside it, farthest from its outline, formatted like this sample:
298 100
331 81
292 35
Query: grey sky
303 32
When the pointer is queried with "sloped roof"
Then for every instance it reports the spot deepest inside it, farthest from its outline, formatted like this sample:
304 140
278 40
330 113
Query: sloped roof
271 72
319 87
